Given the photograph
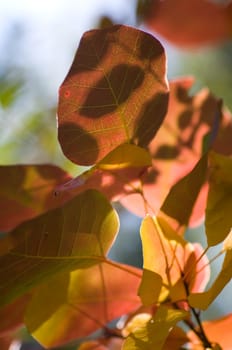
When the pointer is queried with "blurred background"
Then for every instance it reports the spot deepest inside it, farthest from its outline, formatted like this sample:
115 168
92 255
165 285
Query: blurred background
37 44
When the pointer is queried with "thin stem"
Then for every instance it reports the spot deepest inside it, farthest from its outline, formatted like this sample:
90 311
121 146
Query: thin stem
201 333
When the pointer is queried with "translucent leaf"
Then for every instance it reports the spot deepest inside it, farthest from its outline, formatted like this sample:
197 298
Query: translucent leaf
110 343
189 24
185 191
150 287
176 338
218 221
12 315
154 332
125 156
177 148
218 331
26 191
89 298
227 244
167 254
114 93
77 235
115 175
203 300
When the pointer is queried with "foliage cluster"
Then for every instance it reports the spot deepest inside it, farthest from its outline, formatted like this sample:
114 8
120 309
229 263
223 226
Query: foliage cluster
163 153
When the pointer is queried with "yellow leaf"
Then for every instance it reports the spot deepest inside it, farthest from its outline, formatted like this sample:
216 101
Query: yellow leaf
77 235
218 220
124 156
227 244
203 300
152 333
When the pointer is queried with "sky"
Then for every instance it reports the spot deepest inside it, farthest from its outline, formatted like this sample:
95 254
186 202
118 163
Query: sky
51 30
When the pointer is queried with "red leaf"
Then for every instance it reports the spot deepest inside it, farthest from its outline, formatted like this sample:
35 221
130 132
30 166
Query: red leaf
190 23
12 315
115 92
27 191
177 147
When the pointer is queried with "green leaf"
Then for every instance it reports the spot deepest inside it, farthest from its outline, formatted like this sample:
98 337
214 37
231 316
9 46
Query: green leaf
203 300
89 298
77 235
154 332
114 93
218 220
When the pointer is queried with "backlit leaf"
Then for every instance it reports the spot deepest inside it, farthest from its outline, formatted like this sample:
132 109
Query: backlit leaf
186 191
150 287
26 191
189 23
12 315
167 254
227 243
76 235
154 332
176 338
89 298
177 147
218 331
115 175
218 221
125 156
115 92
203 300
108 343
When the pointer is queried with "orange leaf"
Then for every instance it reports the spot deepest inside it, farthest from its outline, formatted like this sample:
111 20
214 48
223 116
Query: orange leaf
218 331
115 92
189 23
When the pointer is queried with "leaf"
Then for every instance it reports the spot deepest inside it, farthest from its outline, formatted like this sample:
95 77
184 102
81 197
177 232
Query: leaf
191 26
177 147
217 331
5 343
153 333
150 287
114 93
112 343
77 235
186 191
175 339
218 220
227 244
102 344
167 254
89 298
115 175
203 300
125 156
26 191
12 315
